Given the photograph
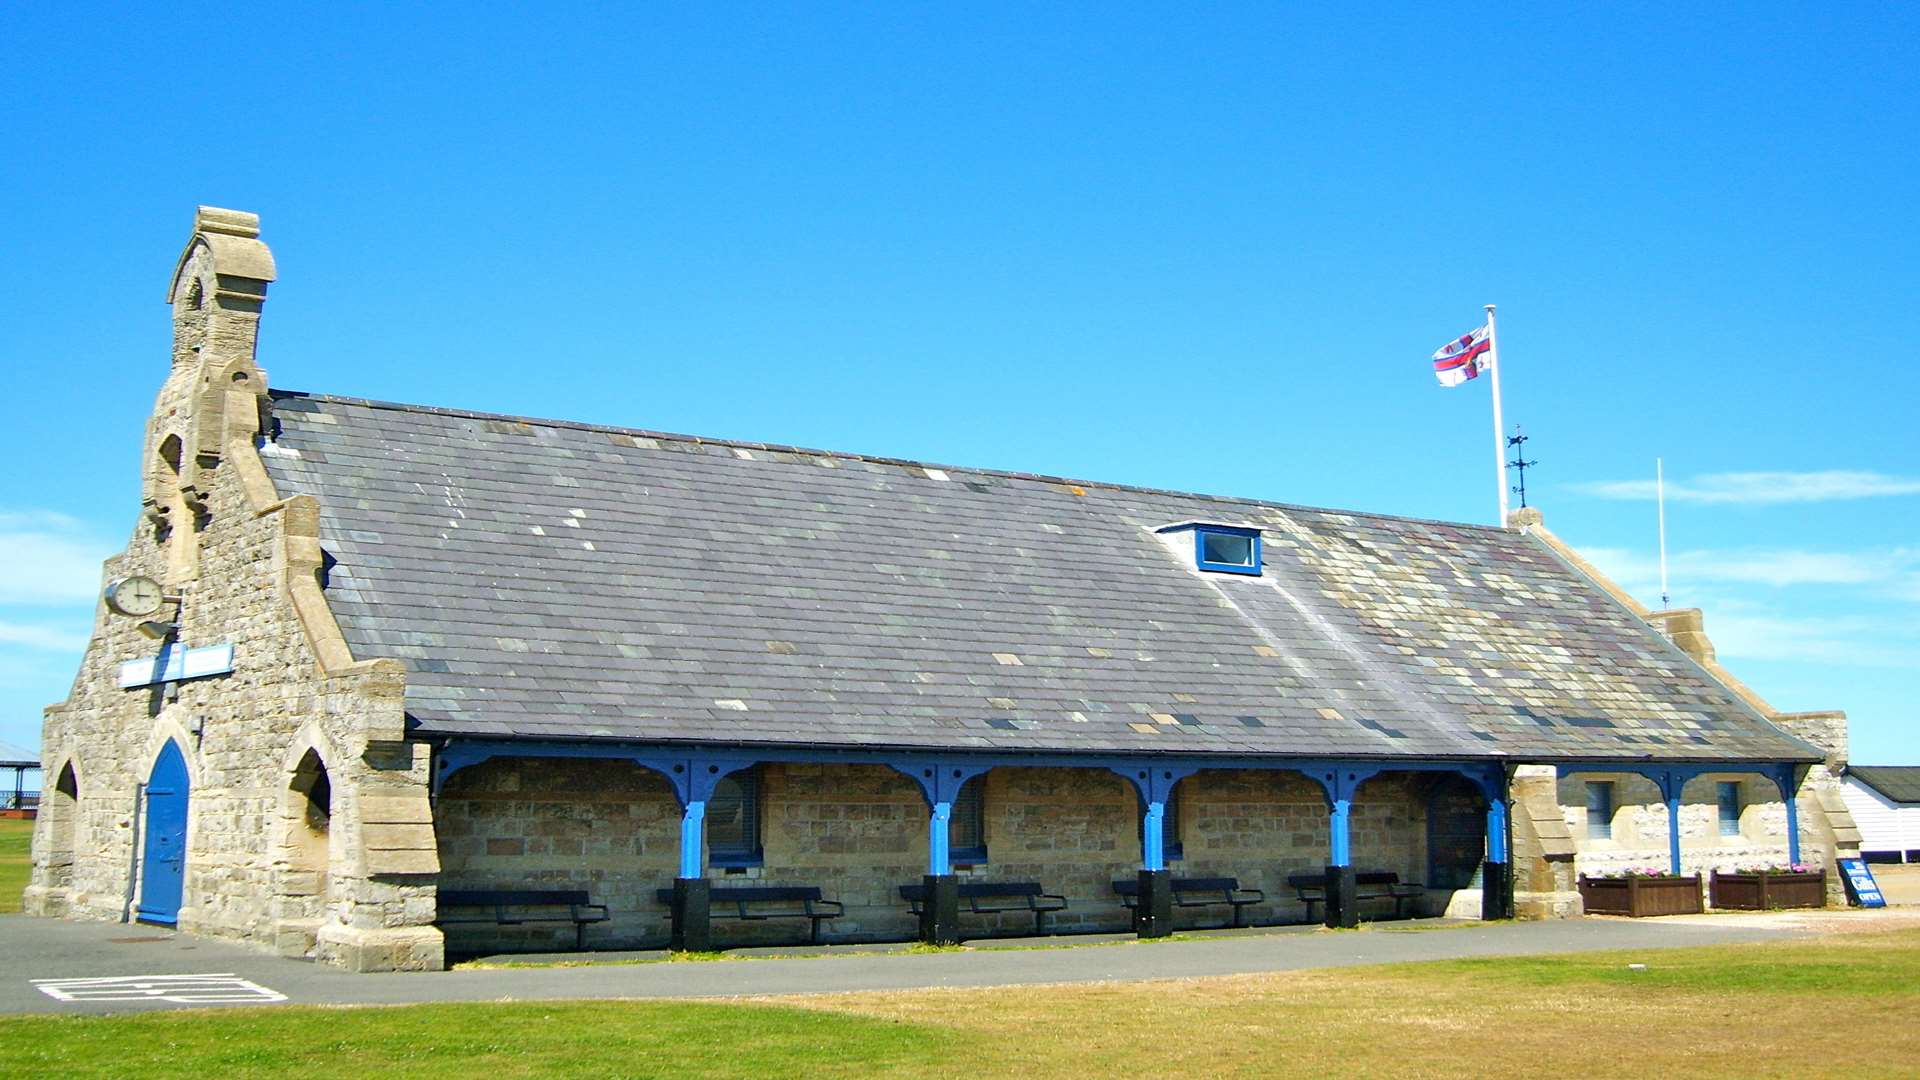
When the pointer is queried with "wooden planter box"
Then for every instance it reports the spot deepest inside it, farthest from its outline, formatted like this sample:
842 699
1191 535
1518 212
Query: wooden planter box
1765 892
1641 896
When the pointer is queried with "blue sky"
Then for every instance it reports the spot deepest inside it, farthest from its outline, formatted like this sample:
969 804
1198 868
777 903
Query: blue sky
1207 250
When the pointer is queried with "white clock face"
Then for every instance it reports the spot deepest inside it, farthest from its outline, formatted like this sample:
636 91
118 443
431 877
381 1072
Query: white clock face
135 596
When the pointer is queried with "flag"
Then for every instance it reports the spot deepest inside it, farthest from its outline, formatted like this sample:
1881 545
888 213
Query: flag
1461 359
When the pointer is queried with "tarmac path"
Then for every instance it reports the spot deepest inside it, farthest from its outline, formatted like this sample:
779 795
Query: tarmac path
53 966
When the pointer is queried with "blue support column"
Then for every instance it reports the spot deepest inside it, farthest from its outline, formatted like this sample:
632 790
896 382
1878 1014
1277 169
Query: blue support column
1671 785
693 778
1496 874
1338 782
940 783
1153 903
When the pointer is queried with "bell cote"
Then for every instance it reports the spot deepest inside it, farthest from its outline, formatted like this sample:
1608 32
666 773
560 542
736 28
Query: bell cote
214 392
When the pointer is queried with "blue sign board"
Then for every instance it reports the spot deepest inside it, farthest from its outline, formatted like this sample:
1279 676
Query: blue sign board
1860 883
177 662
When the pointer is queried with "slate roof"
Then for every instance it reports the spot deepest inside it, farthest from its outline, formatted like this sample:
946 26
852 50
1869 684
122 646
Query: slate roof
554 580
1900 783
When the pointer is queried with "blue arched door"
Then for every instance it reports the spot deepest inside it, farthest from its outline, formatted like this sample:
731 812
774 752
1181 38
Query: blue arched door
164 860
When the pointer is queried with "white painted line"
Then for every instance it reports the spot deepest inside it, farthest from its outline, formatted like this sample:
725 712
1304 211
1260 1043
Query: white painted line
216 989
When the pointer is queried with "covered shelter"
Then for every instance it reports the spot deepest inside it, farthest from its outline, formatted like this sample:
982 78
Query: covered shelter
372 679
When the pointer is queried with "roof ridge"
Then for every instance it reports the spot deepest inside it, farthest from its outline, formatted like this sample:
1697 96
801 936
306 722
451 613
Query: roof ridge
615 429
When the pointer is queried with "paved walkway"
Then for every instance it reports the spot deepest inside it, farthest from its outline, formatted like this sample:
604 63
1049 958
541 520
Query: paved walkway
86 965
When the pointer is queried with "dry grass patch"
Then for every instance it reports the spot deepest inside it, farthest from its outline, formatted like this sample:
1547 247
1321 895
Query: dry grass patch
1843 1005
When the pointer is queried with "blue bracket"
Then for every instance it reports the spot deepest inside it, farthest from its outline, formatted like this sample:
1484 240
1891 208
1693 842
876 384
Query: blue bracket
1786 777
940 783
1493 783
1338 781
1154 782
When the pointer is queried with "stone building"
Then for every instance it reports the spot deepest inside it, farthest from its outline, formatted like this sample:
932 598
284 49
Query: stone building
359 655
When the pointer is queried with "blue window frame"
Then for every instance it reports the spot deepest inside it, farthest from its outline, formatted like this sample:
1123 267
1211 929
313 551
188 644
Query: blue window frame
967 829
1727 793
1600 809
733 821
1226 549
1170 846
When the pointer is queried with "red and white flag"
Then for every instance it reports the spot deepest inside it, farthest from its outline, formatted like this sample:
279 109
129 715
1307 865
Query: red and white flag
1462 358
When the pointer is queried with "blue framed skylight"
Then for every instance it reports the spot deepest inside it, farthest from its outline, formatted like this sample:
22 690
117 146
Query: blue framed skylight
1222 549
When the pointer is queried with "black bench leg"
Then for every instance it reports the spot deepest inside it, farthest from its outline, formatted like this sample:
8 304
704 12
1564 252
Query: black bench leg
813 936
1239 915
579 936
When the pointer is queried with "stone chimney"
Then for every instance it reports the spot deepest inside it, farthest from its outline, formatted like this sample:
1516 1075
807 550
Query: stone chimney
1685 627
214 392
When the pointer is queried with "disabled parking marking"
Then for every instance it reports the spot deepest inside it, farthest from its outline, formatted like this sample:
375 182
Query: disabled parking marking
223 988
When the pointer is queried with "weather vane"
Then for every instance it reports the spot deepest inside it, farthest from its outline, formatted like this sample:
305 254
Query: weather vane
1518 440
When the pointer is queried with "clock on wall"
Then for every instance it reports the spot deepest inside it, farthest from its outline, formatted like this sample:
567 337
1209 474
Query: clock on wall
136 597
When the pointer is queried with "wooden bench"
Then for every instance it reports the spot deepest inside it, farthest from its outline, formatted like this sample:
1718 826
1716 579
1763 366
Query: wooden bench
1199 892
755 903
524 902
994 897
1368 885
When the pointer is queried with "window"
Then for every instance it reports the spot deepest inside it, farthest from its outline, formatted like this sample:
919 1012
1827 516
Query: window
1727 793
1170 845
1600 810
1228 550
733 820
967 831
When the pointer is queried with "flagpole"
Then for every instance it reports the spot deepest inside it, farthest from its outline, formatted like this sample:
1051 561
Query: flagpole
1499 428
1660 499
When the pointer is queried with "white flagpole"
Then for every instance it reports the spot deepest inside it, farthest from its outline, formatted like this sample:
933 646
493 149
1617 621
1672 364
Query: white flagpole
1660 499
1499 429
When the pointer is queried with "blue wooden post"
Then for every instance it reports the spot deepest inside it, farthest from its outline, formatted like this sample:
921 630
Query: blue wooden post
693 840
1153 838
1671 785
1496 875
1340 841
940 840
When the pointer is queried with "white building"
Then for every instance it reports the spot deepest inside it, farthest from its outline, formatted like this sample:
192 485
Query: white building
1885 802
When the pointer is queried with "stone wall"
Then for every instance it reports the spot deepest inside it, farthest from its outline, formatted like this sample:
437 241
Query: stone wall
350 881
860 831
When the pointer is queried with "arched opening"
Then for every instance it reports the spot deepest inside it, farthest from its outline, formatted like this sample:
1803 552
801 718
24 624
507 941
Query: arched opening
60 809
309 837
1456 833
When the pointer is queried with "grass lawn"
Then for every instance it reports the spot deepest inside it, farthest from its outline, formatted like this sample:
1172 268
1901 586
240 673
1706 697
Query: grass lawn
1837 1005
14 866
